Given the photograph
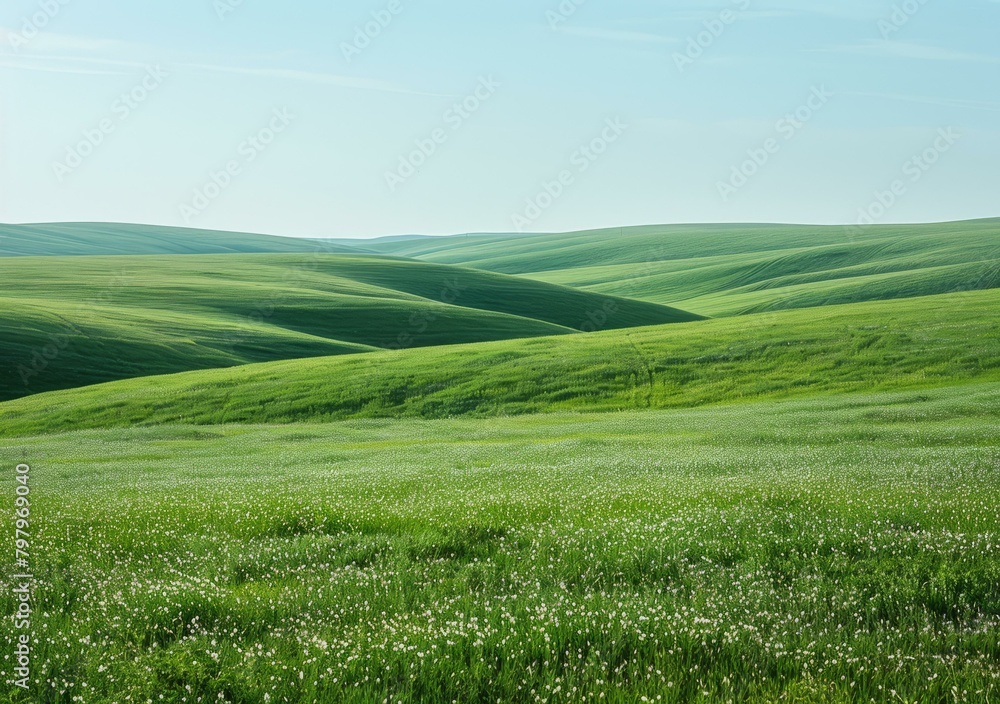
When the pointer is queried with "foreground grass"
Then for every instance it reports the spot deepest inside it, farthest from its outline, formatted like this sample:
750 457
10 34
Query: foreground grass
915 343
836 551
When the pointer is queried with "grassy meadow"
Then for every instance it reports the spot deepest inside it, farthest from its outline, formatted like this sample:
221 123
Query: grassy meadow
72 321
723 270
834 550
768 472
915 343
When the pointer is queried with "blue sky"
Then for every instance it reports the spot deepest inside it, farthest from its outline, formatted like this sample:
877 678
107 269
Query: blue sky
446 117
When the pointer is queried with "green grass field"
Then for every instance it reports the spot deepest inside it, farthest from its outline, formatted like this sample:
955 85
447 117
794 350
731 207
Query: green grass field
719 270
916 343
824 550
547 491
72 321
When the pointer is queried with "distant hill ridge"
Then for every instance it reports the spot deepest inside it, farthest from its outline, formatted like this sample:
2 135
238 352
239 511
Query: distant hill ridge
79 239
720 270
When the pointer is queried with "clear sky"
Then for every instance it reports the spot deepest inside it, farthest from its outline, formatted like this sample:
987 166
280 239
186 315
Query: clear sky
339 118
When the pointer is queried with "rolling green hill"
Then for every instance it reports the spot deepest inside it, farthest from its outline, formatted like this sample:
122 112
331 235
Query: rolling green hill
720 270
72 321
74 239
915 343
713 270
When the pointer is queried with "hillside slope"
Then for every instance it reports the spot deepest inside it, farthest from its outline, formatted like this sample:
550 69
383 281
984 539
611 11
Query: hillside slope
909 344
736 269
77 239
70 321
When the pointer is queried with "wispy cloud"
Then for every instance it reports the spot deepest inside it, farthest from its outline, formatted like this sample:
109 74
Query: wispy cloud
926 100
61 63
331 79
910 50
68 43
76 55
618 35
678 18
859 10
22 66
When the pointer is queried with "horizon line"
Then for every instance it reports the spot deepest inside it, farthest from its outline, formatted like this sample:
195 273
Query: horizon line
501 233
